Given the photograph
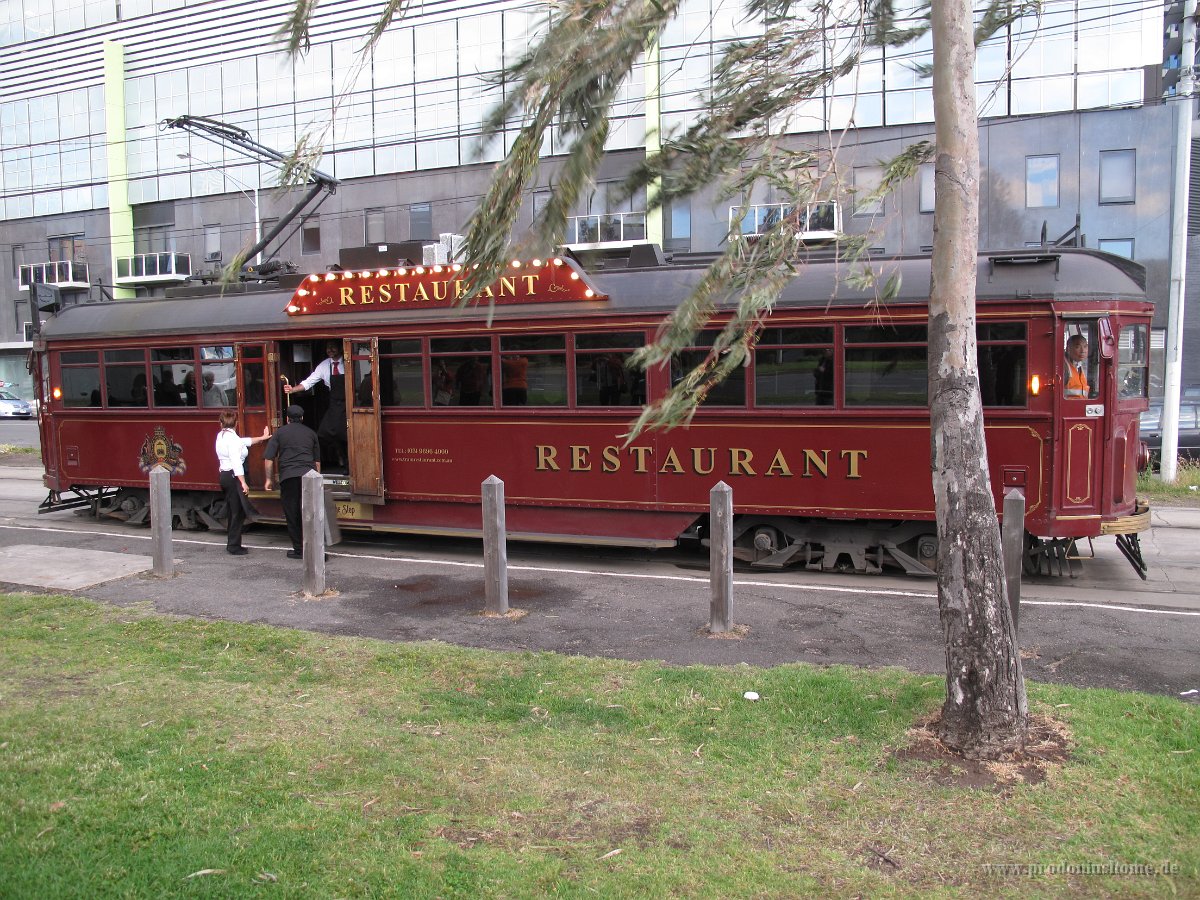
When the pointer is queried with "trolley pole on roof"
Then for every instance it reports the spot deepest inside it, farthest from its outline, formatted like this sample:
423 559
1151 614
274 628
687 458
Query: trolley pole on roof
1179 220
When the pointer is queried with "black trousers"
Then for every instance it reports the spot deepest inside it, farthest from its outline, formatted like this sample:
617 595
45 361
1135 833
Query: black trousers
290 494
237 513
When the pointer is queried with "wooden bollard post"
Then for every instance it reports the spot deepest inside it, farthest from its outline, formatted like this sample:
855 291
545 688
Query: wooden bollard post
1013 542
161 515
495 547
312 507
720 558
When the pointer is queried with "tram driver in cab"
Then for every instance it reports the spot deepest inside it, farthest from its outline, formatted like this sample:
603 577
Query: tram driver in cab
1076 378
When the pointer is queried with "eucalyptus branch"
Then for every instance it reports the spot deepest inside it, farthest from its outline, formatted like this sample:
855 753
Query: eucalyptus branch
295 31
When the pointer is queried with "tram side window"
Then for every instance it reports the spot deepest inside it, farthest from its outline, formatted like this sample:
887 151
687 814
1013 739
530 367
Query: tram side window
80 371
172 368
533 370
252 389
1080 361
218 377
125 378
794 367
730 392
364 385
401 374
462 371
603 376
1133 344
885 365
1001 347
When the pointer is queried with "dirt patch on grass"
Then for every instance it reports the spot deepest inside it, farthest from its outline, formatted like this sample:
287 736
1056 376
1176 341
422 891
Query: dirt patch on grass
594 823
880 858
735 633
1047 747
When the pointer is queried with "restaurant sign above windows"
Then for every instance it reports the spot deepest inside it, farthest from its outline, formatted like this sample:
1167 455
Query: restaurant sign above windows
554 280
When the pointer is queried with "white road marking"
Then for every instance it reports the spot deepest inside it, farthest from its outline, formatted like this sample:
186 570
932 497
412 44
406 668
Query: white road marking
689 579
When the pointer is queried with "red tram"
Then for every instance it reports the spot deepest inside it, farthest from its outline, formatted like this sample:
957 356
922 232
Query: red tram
823 436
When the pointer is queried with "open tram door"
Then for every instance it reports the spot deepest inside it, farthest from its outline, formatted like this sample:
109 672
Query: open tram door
257 406
364 433
1086 347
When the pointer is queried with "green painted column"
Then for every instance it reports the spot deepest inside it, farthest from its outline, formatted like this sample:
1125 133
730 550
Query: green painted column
654 218
120 213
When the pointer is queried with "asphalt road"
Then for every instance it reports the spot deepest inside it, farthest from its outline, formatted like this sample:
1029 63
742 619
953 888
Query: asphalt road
1106 628
19 432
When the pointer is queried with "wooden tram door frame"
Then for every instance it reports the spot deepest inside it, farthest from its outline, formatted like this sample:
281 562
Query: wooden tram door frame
364 431
1082 425
252 420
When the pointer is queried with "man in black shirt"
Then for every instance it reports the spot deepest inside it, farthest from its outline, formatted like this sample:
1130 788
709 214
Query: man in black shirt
296 450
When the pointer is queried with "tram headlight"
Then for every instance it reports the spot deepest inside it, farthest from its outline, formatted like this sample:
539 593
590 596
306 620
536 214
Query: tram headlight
56 393
1035 385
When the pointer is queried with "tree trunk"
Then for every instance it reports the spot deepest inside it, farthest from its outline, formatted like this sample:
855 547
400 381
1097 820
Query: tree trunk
985 711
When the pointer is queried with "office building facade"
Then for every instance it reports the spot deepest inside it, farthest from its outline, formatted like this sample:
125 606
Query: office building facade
98 199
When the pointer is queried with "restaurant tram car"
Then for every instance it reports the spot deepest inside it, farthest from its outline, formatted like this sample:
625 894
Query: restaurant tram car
823 435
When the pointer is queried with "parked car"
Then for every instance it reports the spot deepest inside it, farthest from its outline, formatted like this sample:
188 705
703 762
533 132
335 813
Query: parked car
13 407
1189 429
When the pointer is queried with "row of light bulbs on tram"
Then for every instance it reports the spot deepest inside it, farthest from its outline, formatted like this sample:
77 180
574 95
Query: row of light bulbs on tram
421 270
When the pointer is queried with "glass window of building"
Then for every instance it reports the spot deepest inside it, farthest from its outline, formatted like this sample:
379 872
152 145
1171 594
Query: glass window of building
926 201
1041 181
1117 176
678 220
310 235
420 222
212 243
867 180
373 226
1117 246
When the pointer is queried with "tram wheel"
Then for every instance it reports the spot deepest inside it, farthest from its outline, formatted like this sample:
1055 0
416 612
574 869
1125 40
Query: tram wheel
767 541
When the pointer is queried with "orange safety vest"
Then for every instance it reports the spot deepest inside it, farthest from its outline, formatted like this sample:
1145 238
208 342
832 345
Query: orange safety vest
1077 383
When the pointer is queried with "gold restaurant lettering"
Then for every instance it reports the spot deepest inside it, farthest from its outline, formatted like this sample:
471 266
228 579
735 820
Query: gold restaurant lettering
556 280
698 461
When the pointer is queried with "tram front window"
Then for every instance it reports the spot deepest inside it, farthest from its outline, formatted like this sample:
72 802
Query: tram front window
1080 361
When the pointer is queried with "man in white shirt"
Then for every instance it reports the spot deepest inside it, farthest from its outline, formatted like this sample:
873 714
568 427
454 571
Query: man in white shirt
231 459
332 431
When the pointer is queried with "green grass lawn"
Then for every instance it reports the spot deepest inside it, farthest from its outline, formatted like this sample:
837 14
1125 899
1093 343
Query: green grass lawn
1184 490
148 756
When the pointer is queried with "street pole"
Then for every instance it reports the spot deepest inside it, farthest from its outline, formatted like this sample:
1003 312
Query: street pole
257 228
1173 374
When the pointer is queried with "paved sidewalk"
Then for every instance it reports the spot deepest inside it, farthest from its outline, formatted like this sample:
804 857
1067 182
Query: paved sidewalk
1107 628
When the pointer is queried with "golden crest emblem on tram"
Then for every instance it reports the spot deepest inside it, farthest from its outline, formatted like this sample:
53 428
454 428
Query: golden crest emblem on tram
161 450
